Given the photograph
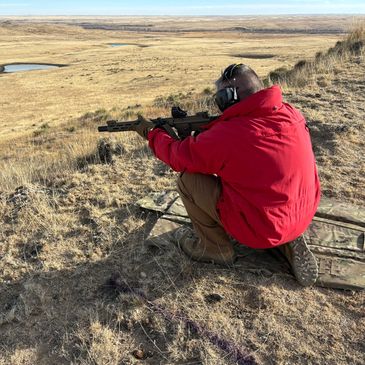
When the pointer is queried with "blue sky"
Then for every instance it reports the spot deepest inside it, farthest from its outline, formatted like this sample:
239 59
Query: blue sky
177 7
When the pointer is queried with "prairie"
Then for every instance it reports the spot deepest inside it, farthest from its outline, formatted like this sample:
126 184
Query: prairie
156 63
73 258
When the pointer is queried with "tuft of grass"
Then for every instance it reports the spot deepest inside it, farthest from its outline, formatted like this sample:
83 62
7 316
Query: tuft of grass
208 91
100 115
43 128
171 100
99 345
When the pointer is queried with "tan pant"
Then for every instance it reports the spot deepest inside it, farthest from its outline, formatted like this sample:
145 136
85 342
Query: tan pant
200 194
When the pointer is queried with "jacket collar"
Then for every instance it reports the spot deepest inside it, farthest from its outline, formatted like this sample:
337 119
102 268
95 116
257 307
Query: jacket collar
262 102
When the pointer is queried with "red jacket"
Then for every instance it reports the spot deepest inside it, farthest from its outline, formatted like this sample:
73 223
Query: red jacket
261 150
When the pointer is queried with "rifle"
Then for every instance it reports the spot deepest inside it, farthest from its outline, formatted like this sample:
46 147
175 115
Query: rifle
185 125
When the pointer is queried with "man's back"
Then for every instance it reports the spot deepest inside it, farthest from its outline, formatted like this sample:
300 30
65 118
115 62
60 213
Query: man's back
261 150
270 183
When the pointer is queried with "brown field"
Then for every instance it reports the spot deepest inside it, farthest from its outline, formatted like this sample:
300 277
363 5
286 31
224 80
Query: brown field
69 222
100 76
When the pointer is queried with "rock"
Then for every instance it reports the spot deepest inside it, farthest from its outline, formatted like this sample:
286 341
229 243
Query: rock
139 354
18 199
20 196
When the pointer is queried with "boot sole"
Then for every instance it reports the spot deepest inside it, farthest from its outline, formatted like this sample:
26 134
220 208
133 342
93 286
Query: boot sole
305 265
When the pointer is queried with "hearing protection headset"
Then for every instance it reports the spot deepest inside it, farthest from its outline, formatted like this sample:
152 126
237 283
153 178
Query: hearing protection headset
228 96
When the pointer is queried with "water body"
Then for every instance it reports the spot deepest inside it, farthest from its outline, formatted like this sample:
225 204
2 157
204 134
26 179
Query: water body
26 67
119 44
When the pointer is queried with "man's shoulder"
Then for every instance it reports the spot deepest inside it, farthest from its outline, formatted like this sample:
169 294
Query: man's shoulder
286 118
293 111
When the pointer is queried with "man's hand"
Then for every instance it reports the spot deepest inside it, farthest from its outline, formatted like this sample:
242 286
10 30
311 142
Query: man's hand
144 126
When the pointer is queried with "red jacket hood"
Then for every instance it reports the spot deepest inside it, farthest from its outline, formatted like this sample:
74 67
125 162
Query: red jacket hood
263 102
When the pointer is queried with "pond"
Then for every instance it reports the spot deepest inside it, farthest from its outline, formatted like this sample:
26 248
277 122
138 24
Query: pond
26 67
119 44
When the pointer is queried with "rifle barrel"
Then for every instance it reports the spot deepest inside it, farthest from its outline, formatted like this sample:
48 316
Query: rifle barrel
103 128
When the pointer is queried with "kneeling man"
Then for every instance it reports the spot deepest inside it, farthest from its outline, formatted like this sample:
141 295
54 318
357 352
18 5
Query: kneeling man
250 175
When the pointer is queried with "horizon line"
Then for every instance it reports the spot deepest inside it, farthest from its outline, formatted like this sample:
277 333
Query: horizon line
180 15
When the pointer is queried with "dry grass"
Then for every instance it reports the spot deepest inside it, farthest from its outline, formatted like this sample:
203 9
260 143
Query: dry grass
69 222
99 76
318 70
52 152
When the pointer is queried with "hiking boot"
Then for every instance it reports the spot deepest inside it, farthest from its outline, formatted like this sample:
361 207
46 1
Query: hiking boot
303 262
192 246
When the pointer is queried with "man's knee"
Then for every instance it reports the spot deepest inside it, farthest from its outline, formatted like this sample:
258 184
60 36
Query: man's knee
185 183
191 184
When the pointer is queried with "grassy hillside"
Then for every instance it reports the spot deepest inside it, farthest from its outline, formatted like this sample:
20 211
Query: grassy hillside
78 285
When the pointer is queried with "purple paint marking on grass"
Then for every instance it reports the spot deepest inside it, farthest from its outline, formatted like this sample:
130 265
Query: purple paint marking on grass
229 347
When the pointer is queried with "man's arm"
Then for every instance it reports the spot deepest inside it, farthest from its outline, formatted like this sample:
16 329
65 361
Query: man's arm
202 154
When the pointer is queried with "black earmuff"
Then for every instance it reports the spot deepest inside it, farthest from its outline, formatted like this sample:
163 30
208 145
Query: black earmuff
226 97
